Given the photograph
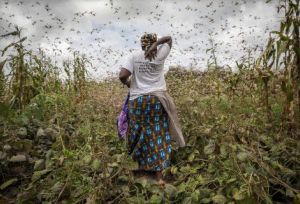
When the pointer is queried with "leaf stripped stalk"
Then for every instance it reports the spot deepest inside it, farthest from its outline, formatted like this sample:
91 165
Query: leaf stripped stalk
268 169
297 51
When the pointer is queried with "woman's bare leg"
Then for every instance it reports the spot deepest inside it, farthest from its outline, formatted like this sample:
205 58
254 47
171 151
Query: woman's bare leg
159 178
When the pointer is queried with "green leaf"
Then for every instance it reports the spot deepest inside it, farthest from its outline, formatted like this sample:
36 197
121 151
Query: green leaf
238 195
174 170
290 193
114 164
123 178
4 110
283 169
171 190
281 48
96 164
195 196
297 51
141 181
187 200
8 183
56 188
231 180
205 200
191 157
201 180
209 149
155 199
87 159
242 156
223 151
284 37
38 174
135 200
207 50
276 32
298 197
219 199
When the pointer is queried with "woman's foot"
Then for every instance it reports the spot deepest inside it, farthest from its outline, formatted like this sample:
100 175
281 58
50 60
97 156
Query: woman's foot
156 176
161 183
160 180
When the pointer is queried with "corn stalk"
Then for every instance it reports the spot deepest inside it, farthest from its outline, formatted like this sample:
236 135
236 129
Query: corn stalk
29 74
283 53
2 80
212 50
80 74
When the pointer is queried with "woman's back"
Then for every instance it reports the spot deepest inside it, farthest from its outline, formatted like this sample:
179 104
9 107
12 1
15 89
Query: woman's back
147 76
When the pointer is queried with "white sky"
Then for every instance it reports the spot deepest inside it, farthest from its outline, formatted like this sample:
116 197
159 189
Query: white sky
108 30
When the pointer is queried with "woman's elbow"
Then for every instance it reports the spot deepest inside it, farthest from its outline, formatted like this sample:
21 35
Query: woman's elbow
122 78
123 75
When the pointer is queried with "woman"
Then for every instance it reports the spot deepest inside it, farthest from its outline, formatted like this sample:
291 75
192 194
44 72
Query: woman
153 121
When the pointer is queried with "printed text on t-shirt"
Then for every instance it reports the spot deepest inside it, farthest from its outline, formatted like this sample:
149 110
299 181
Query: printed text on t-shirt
147 67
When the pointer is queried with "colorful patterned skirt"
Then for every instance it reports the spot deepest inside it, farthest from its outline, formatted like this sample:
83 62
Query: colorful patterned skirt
149 140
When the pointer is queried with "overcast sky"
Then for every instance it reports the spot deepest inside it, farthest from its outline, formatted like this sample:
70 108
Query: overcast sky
108 30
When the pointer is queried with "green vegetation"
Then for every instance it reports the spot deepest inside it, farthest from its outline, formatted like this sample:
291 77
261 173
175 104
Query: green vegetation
58 139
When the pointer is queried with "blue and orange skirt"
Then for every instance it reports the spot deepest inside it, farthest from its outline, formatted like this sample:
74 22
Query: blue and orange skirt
149 140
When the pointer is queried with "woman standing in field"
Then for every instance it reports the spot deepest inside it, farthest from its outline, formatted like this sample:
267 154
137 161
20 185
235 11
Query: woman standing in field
153 121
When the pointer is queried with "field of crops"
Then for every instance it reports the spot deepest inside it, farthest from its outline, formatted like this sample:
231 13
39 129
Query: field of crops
59 142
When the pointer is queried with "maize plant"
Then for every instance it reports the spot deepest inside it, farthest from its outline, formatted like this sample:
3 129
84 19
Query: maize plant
2 80
283 53
29 74
212 50
19 77
80 74
45 75
67 70
233 82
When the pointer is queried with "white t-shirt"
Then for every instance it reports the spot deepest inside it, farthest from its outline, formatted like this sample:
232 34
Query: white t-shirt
147 76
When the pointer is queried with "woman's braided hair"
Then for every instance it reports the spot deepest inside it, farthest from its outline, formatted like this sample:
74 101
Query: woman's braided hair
147 40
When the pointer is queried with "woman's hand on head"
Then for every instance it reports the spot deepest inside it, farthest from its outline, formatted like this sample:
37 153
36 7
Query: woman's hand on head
151 56
151 52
